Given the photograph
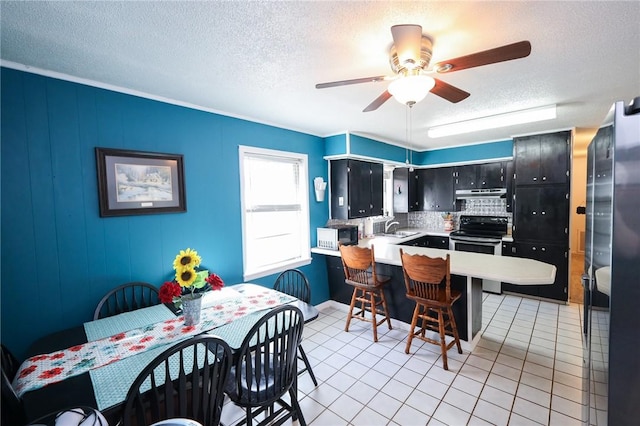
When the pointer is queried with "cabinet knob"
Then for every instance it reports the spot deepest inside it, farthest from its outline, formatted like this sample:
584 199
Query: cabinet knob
533 248
543 249
544 178
533 212
535 178
543 212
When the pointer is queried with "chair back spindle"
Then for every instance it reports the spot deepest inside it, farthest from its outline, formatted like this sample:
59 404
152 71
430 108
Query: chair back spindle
293 282
126 298
424 276
185 381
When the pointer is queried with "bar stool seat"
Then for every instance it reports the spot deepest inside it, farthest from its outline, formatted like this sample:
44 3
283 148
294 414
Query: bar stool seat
368 287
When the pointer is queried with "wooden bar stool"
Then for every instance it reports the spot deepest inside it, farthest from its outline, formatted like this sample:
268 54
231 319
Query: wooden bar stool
360 272
428 283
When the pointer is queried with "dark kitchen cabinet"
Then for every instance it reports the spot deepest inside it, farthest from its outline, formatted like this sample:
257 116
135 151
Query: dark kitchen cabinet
465 177
510 249
541 214
437 189
405 190
542 159
553 254
541 207
480 176
508 178
356 189
430 241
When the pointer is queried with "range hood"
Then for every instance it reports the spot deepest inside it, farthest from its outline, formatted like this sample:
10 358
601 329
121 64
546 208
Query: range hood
462 194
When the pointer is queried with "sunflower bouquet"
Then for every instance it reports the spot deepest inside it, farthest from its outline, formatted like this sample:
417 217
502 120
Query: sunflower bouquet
189 280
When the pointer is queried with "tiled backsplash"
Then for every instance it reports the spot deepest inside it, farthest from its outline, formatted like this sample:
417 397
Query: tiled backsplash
433 221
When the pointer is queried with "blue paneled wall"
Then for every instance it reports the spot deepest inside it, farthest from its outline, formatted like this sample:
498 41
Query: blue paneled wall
58 256
467 153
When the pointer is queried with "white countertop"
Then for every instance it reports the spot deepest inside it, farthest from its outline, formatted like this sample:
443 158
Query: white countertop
513 270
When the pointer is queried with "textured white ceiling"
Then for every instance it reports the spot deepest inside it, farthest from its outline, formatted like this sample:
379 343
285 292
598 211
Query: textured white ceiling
261 60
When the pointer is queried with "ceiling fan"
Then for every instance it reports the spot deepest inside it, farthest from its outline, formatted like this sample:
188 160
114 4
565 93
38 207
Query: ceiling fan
409 57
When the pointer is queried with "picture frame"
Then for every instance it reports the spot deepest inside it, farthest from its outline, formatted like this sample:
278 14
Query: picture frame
137 182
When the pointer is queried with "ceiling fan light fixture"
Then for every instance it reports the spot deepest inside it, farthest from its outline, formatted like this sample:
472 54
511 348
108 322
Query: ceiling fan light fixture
411 89
494 121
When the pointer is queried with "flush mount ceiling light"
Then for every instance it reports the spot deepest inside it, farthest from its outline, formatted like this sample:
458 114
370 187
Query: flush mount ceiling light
494 121
411 89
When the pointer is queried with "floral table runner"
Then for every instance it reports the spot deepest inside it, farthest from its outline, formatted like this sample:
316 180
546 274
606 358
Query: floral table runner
42 370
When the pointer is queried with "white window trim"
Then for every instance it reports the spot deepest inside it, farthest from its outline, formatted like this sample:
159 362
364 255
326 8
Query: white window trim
304 182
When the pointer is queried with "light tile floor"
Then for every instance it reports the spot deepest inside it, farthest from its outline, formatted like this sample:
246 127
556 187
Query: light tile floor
526 370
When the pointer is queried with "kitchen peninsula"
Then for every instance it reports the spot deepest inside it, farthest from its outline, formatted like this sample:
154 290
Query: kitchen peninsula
467 272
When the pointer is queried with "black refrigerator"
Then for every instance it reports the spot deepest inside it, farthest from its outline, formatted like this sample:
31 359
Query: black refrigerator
612 270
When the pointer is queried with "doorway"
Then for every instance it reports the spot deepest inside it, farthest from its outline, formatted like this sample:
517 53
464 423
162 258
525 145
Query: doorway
581 139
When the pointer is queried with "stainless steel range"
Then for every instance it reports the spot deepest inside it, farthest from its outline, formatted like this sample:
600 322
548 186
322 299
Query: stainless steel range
481 234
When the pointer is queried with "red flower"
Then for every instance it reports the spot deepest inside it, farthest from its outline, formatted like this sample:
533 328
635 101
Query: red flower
168 291
51 373
146 339
188 328
169 328
215 281
137 347
27 371
57 356
76 348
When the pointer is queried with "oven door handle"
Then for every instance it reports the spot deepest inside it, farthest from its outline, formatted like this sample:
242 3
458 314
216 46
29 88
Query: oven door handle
476 242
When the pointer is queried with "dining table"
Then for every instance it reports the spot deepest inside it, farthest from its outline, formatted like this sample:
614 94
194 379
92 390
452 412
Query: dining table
99 360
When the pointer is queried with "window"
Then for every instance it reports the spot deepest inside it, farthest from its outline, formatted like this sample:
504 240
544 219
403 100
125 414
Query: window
275 211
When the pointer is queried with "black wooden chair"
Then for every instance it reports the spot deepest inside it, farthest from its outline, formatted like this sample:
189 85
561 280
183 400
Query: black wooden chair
198 369
265 368
126 298
296 284
12 410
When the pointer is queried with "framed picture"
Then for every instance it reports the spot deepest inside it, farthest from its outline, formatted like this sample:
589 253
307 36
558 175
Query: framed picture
135 182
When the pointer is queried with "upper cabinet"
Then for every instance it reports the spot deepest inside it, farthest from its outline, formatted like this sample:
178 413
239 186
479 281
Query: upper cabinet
356 189
437 189
479 176
406 190
542 159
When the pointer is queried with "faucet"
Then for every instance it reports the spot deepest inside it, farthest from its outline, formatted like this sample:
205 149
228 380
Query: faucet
388 224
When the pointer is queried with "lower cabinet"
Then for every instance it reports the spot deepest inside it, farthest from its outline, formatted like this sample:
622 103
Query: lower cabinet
553 254
431 241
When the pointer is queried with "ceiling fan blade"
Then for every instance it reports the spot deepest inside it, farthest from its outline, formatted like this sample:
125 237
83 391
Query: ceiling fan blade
407 41
384 97
509 52
353 81
449 92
